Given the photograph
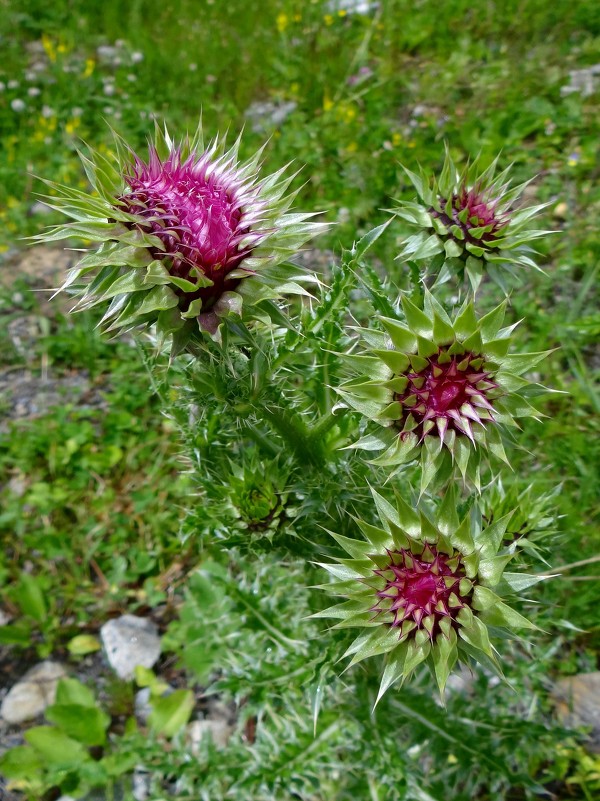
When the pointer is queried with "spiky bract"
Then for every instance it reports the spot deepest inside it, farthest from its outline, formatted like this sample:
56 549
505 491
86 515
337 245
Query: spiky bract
424 589
443 389
534 525
257 496
187 237
468 224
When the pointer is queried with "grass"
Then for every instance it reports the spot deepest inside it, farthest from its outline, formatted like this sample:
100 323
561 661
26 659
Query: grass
92 497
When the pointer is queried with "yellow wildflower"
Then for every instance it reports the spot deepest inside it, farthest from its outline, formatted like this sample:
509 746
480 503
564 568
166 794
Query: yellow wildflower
48 46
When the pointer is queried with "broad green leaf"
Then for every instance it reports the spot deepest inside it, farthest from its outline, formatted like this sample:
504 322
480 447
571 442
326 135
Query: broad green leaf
83 723
71 691
56 748
171 712
83 644
22 762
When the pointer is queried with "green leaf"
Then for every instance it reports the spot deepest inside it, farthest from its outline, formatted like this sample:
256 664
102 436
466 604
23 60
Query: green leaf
444 655
466 322
83 644
491 323
83 723
496 612
20 763
401 336
56 748
476 634
396 361
393 670
365 242
519 363
447 513
29 595
15 634
521 581
491 570
418 321
171 712
71 691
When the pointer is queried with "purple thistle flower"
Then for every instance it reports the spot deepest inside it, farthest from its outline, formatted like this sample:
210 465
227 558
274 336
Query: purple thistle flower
187 238
206 217
421 589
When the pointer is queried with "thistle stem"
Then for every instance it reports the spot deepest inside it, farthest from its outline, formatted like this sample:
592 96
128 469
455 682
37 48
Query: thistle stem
291 427
563 568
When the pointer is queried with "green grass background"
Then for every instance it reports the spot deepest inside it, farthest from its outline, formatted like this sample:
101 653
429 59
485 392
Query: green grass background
370 91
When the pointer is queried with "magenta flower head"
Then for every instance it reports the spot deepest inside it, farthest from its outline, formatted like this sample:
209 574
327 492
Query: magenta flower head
466 224
442 390
188 236
424 589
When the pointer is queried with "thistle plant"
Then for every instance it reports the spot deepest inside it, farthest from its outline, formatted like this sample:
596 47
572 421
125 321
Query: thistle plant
468 224
289 415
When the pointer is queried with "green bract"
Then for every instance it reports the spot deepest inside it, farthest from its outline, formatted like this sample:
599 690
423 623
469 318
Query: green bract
442 389
256 499
425 590
467 224
188 237
534 524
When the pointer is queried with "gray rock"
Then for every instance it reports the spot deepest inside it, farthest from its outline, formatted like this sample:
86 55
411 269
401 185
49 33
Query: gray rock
33 693
130 641
142 704
218 730
264 115
42 266
28 396
577 701
140 784
360 7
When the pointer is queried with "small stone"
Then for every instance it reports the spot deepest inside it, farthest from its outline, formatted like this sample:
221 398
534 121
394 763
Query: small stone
141 780
577 701
561 211
33 693
130 641
218 730
142 705
40 208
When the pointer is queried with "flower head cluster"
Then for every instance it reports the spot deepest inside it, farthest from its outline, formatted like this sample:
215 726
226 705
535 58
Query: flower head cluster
187 237
424 590
443 389
468 224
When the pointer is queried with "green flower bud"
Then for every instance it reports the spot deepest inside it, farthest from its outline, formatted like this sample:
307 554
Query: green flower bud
467 225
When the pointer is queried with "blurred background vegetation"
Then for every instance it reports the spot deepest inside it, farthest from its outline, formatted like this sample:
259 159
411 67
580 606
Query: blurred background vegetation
91 492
